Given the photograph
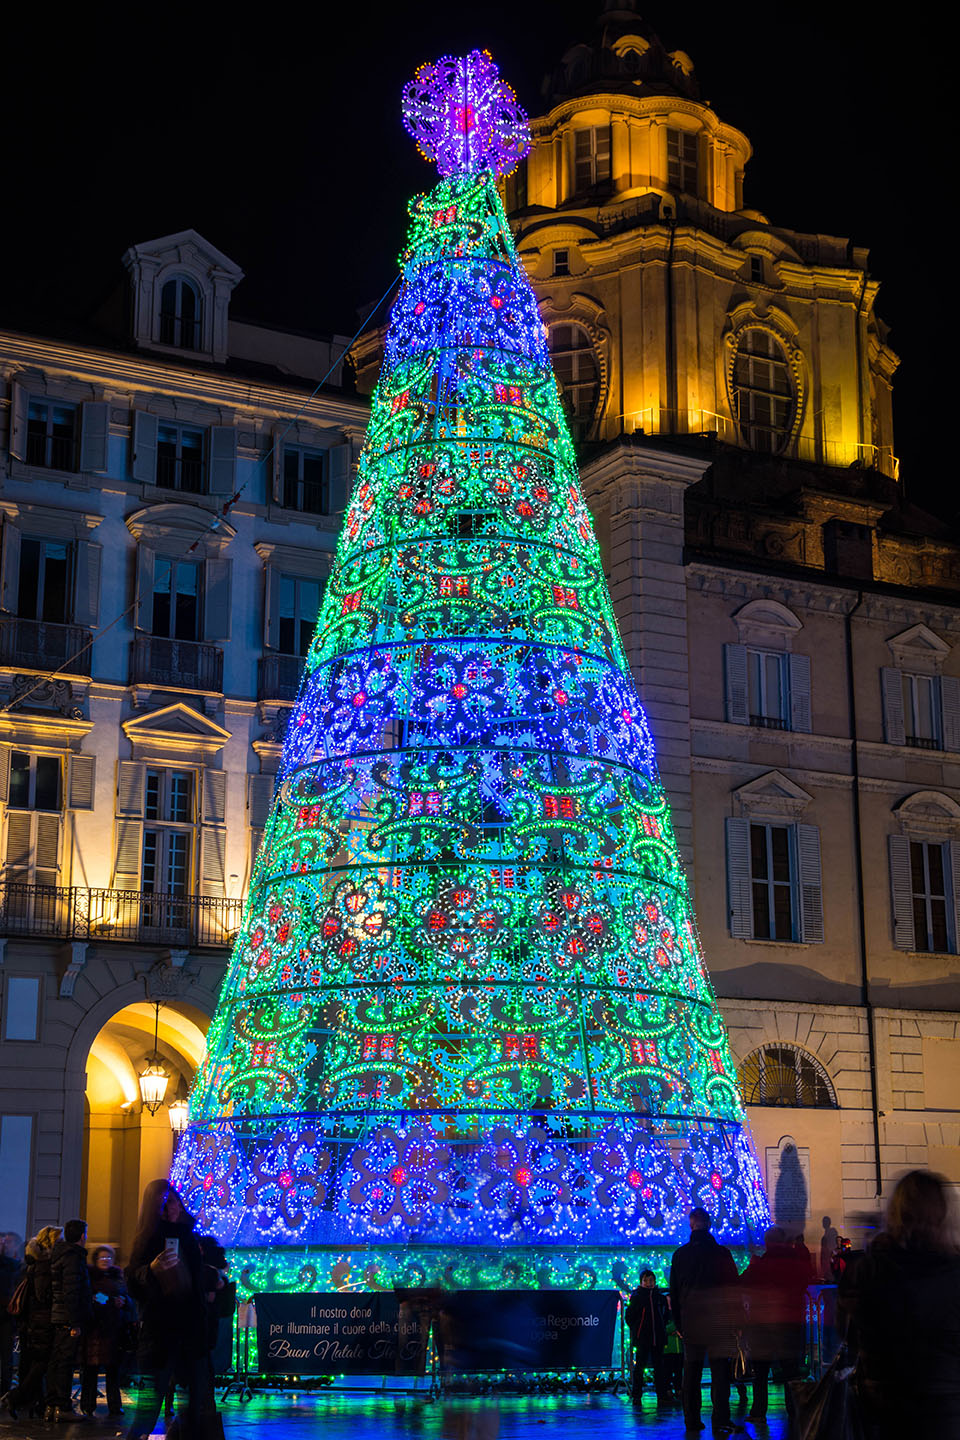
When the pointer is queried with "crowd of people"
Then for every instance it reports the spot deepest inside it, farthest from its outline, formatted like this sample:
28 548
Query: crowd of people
79 1312
899 1308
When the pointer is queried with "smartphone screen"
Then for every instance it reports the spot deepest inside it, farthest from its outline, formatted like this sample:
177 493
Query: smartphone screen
172 1244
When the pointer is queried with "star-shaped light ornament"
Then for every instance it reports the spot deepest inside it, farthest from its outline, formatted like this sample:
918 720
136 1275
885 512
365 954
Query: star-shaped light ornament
464 117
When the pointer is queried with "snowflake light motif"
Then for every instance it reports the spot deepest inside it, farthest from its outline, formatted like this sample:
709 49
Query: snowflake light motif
286 1184
463 116
525 1174
208 1173
399 1177
636 1181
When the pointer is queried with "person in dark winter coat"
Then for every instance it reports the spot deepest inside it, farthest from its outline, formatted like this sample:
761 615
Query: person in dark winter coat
11 1268
101 1343
904 1296
166 1278
36 1329
774 1287
69 1313
707 1314
646 1317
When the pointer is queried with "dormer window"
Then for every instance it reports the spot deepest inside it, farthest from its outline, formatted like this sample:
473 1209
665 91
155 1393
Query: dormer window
180 314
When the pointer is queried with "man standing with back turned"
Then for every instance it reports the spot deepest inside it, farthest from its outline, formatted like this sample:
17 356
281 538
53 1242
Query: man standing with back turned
703 1280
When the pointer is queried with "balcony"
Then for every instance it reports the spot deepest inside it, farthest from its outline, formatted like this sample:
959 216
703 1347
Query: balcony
41 645
75 913
176 664
279 677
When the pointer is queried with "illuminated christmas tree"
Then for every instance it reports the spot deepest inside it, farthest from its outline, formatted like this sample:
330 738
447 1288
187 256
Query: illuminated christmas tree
467 1032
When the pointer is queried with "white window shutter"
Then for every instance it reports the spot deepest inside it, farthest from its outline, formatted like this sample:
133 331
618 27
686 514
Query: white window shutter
80 784
19 409
144 462
94 435
950 711
10 568
223 460
143 610
47 855
4 773
126 870
271 609
339 488
891 685
213 854
86 582
276 465
131 780
901 890
216 599
810 876
18 848
739 894
735 681
800 710
259 796
214 796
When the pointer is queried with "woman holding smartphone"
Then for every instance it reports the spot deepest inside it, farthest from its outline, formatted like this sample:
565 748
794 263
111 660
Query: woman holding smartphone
165 1277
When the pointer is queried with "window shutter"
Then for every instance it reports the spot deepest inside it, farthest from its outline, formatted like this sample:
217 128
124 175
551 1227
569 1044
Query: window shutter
130 787
891 684
10 568
19 403
216 599
339 458
81 781
143 611
735 677
19 835
950 708
271 609
47 859
144 462
810 877
223 460
954 847
259 796
800 713
126 871
213 853
276 464
739 897
214 796
86 582
901 891
4 773
94 435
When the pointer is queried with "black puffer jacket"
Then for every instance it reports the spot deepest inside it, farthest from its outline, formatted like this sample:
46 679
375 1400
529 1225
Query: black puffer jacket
72 1304
171 1325
36 1327
647 1317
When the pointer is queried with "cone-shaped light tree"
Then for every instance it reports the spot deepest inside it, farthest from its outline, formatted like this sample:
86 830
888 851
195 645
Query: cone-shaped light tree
467 1032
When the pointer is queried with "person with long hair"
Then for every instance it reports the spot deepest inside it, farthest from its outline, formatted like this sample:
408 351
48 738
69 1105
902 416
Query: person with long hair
165 1278
101 1341
35 1324
904 1297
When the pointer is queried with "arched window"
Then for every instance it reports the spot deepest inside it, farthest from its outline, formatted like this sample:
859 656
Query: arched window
762 390
786 1075
180 314
576 368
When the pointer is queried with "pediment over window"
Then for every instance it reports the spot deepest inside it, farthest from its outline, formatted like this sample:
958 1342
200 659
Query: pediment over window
919 649
928 812
173 528
177 730
181 288
767 622
772 794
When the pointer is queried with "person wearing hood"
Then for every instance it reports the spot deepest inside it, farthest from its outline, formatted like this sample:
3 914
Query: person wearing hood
904 1297
647 1316
707 1314
69 1313
36 1329
101 1343
774 1287
166 1278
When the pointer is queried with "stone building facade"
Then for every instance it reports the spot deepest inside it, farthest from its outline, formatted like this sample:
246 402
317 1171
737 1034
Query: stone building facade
171 491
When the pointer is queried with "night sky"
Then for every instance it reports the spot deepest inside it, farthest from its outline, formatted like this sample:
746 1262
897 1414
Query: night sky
276 133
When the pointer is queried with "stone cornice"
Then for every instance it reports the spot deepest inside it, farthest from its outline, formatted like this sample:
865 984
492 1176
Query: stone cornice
640 107
623 460
820 595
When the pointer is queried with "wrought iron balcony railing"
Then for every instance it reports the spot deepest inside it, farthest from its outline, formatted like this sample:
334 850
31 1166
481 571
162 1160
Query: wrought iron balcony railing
73 912
176 664
279 677
42 645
